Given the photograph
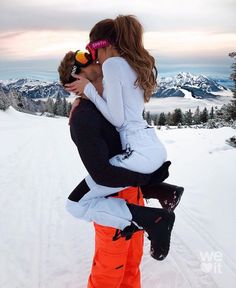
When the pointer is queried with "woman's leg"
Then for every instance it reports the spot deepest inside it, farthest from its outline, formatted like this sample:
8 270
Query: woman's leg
94 206
97 207
145 152
109 211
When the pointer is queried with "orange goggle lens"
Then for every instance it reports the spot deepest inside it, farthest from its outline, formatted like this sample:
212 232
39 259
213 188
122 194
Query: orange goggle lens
82 57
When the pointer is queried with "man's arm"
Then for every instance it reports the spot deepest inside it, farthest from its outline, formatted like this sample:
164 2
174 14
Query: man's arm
93 150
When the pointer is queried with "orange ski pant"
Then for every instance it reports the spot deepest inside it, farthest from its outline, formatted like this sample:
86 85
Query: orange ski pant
116 263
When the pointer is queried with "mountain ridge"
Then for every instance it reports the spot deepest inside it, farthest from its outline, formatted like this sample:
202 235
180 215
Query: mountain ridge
200 87
34 89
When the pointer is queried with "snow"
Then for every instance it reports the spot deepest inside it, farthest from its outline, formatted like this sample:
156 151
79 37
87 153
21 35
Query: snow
224 93
187 94
169 104
27 82
41 245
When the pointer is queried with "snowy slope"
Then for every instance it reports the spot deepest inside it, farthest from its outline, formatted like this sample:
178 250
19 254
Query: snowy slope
42 246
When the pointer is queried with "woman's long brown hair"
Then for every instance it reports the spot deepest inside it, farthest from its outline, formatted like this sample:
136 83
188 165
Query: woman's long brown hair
125 33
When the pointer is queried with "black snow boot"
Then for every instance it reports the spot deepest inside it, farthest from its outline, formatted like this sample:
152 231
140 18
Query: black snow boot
168 195
158 223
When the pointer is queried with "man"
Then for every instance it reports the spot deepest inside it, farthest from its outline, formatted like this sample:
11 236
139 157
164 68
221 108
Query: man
116 263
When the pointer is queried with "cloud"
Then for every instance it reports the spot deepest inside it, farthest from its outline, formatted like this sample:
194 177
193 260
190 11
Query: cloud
31 29
158 15
10 35
54 44
28 18
40 44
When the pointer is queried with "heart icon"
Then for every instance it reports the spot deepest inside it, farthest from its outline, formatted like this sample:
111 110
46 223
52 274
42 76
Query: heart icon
206 267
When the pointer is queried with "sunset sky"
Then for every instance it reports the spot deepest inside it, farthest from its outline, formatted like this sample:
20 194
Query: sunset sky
34 35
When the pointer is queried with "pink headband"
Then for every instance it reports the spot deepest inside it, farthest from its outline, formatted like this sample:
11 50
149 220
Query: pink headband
93 46
98 44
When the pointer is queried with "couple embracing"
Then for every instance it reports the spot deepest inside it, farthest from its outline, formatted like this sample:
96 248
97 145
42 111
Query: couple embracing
125 159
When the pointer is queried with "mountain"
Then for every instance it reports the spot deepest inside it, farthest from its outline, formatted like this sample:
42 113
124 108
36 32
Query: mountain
34 89
186 85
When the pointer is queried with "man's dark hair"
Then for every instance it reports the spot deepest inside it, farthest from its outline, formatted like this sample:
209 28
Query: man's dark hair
65 67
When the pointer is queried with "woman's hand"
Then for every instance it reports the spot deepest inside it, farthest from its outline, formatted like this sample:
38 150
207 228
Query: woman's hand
77 86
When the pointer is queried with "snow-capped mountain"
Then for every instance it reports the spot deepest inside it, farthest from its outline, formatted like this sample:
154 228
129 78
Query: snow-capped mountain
34 89
183 84
187 85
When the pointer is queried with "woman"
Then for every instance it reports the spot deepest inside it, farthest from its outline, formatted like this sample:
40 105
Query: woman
129 81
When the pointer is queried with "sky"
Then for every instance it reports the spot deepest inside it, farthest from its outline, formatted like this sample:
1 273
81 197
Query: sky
195 35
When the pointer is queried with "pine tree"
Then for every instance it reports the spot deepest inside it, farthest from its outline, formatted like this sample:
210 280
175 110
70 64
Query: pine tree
177 117
64 107
169 120
188 117
16 99
155 119
212 113
58 106
225 113
69 106
196 116
49 105
148 118
232 107
162 119
204 116
4 102
3 105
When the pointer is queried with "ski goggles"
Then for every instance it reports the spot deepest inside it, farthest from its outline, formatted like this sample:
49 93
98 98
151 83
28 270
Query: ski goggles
82 59
93 46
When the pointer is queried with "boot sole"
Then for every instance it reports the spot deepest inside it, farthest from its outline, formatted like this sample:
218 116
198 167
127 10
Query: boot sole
163 245
180 191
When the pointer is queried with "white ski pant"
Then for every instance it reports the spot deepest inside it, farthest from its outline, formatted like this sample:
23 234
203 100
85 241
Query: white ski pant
145 153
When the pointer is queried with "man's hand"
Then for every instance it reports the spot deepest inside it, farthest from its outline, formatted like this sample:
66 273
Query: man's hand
74 105
77 86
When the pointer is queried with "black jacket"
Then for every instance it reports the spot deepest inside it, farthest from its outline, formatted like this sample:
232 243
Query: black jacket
97 141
